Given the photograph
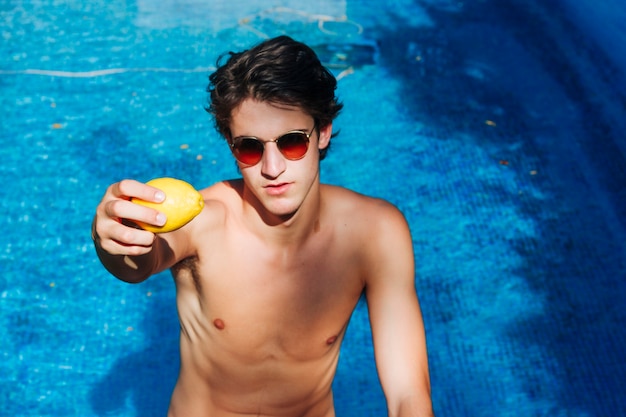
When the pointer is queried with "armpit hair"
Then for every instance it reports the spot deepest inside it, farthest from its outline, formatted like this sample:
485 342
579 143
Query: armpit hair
188 268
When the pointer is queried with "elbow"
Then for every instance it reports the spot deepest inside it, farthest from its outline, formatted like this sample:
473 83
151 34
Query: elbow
125 268
414 405
127 274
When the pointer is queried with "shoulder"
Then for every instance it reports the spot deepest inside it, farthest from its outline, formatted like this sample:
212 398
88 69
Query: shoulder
375 228
223 193
220 199
223 190
376 231
206 230
369 213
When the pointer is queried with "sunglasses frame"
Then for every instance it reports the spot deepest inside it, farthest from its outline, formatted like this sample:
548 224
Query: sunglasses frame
233 144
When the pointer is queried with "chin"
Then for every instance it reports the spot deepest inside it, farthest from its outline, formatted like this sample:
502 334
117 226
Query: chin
282 211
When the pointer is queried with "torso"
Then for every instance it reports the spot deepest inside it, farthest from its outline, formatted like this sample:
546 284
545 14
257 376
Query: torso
261 324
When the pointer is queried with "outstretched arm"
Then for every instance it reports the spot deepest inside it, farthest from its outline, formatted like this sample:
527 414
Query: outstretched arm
396 319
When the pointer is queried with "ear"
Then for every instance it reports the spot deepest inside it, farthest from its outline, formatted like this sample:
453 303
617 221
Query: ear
325 134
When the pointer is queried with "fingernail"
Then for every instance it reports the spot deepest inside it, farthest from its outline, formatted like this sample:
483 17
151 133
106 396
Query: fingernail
161 219
159 196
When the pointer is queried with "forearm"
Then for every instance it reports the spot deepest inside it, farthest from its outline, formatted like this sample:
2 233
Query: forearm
414 406
132 269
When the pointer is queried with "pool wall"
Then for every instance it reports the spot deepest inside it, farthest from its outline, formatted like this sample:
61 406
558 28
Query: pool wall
496 126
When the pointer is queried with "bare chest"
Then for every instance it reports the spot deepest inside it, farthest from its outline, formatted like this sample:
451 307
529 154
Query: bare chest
292 302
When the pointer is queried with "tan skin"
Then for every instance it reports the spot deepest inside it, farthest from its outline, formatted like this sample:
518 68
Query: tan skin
267 277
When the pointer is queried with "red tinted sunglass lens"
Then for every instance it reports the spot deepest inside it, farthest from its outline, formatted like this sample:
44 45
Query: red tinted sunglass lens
293 145
248 151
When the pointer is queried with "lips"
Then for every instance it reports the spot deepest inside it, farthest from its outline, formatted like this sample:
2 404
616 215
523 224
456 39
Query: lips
277 189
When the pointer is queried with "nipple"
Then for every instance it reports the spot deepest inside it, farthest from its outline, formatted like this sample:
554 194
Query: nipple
219 324
331 340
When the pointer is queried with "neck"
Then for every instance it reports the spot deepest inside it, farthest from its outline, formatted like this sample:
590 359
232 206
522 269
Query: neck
283 229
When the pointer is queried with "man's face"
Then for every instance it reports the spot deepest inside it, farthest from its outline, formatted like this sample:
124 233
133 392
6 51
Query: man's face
280 185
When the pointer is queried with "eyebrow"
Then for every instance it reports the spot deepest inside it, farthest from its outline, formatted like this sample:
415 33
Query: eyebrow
282 134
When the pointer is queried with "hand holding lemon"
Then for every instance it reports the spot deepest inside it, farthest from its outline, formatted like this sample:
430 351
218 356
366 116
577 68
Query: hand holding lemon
182 203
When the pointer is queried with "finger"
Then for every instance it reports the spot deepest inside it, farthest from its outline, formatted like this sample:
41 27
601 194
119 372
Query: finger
127 189
114 247
131 236
117 238
123 209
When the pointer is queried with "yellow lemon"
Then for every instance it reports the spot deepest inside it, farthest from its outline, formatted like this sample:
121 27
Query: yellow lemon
182 203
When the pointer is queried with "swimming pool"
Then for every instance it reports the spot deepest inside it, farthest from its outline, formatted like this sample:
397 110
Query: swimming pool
497 128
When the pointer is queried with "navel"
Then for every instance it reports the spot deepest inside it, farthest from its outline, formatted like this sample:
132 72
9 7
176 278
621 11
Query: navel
331 340
219 324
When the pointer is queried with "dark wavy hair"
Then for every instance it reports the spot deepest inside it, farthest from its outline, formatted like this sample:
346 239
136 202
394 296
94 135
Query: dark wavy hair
279 70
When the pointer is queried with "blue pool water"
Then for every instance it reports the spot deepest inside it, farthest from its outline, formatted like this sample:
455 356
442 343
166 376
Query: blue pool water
496 126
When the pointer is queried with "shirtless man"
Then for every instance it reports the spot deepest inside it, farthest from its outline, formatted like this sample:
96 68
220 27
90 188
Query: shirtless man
268 274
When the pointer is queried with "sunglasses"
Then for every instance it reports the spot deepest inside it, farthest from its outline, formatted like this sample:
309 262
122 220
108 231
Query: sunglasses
292 145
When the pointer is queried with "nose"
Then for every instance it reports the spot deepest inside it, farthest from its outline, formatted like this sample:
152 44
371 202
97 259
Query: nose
273 162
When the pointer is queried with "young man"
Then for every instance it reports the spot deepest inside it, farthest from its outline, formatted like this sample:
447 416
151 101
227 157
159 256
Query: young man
268 274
